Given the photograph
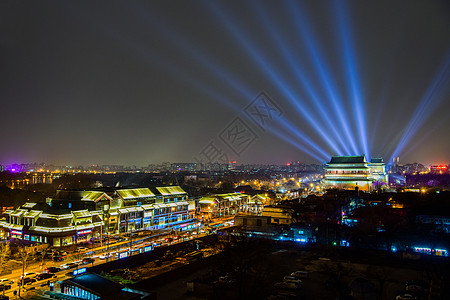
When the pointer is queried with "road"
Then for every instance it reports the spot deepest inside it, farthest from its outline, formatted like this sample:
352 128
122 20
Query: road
136 246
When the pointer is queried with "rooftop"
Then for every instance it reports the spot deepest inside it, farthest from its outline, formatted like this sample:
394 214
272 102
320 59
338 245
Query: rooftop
127 194
377 160
170 190
357 159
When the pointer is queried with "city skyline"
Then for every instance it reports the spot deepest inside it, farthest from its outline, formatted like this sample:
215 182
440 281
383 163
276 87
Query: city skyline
136 83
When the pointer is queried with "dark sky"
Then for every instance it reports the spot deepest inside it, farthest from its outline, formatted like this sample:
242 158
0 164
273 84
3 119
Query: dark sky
139 82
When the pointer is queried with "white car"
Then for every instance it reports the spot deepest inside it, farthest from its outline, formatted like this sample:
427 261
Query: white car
104 256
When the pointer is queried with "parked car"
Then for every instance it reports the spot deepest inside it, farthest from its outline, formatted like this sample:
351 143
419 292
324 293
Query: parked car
300 274
6 281
406 295
52 270
81 249
43 276
5 286
88 260
287 285
297 282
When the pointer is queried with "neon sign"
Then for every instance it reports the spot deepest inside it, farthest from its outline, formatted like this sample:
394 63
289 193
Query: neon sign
84 232
79 271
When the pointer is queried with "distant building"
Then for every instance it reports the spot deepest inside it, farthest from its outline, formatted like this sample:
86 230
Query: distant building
348 172
441 169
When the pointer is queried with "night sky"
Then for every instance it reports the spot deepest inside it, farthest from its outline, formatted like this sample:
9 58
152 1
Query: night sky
140 82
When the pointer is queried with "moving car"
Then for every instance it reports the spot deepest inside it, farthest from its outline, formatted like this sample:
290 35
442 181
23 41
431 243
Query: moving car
52 270
88 260
26 280
104 256
43 276
27 275
69 265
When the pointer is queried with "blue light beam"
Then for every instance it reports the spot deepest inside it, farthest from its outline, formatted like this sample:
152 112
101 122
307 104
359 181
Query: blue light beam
351 66
304 81
302 25
261 63
426 106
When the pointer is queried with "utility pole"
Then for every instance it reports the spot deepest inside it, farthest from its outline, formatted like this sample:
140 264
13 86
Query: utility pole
23 267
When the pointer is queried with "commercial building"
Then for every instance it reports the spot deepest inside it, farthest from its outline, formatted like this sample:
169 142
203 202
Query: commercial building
72 217
226 205
91 286
278 214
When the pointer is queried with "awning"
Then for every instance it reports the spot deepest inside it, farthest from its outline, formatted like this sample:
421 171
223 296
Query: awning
206 202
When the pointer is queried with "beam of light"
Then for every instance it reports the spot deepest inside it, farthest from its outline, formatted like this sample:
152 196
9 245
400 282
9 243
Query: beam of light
351 67
301 24
263 64
380 108
170 68
293 63
424 137
203 59
426 106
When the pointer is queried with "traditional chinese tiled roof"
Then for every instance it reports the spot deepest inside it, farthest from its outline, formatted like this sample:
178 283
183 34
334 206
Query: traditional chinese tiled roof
170 190
358 159
376 160
128 194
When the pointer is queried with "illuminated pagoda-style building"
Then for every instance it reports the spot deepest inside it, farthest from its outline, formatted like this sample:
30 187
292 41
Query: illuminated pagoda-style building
348 172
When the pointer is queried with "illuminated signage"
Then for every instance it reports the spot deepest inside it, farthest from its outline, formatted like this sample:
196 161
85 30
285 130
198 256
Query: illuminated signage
147 248
123 255
17 232
79 271
84 232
